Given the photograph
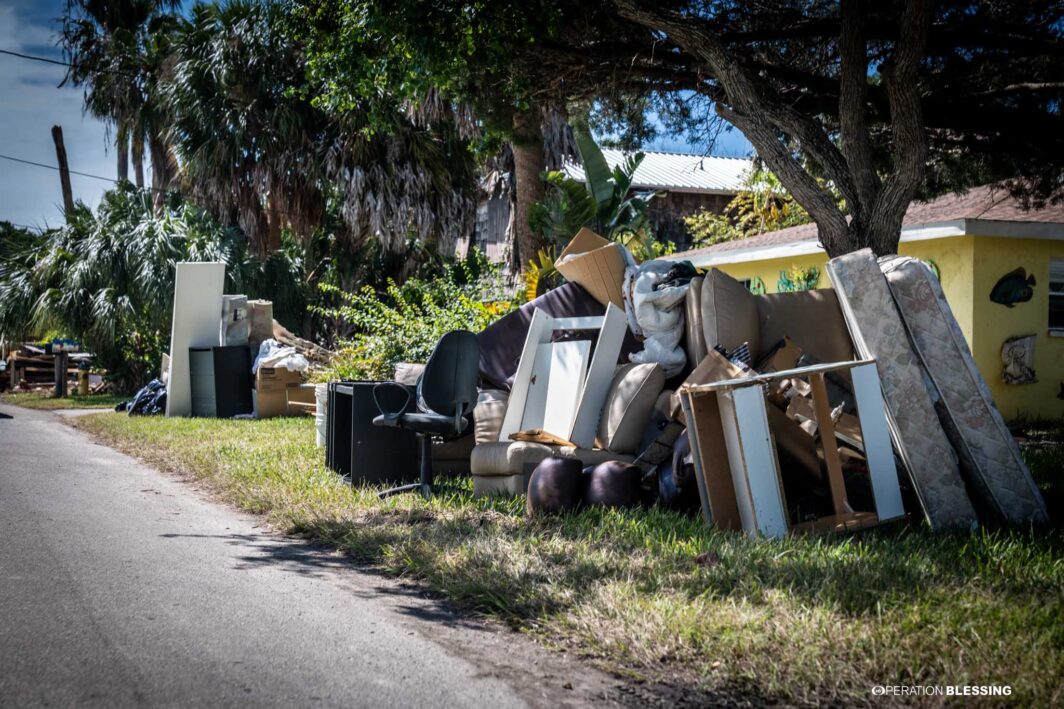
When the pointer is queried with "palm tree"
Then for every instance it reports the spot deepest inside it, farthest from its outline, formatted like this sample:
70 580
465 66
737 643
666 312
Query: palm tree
116 49
254 147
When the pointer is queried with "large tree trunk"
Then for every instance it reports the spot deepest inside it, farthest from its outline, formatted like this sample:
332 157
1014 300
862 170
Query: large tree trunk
64 172
163 171
528 178
122 151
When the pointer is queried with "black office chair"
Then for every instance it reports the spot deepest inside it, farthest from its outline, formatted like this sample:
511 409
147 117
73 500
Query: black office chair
446 393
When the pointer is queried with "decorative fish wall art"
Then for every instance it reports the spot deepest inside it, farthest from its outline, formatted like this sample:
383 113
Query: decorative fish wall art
1014 287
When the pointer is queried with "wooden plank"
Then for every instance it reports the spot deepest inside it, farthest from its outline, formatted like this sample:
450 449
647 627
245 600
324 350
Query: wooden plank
829 444
846 522
712 468
882 469
774 376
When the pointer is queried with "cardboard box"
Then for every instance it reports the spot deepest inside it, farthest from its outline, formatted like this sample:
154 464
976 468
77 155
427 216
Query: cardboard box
300 400
714 367
276 379
271 403
596 264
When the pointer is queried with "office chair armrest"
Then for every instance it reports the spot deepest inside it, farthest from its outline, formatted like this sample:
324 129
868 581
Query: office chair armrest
391 416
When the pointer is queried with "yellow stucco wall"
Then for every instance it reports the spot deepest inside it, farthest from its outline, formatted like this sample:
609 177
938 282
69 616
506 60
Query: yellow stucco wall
994 257
970 266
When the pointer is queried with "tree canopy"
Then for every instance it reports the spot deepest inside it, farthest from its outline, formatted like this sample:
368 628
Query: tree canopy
881 101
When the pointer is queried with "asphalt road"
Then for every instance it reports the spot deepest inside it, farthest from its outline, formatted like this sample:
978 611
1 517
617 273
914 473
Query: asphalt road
122 586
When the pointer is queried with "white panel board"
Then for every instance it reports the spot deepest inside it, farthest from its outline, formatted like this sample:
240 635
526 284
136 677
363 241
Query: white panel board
872 413
539 331
197 318
538 388
568 368
599 377
735 461
759 457
586 322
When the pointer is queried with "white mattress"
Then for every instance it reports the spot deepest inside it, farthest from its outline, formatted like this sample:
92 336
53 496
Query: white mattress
878 332
988 453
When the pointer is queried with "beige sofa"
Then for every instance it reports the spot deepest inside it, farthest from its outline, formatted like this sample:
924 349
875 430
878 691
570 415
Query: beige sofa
504 467
722 311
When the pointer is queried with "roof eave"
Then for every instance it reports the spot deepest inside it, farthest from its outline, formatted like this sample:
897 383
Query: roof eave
919 232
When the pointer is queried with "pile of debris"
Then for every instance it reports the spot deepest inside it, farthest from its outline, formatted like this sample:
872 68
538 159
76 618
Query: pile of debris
31 366
820 410
228 357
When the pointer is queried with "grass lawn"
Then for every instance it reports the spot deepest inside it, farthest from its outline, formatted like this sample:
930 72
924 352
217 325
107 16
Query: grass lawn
44 400
803 620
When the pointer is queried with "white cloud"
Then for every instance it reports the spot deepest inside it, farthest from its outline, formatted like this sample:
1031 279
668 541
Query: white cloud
30 106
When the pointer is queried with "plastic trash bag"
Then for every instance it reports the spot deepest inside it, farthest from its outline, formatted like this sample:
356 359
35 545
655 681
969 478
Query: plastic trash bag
275 355
149 401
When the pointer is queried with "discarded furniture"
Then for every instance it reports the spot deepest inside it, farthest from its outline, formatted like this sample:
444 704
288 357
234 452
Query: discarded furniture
988 453
502 467
196 322
220 381
501 342
731 315
555 389
446 393
736 463
878 332
357 449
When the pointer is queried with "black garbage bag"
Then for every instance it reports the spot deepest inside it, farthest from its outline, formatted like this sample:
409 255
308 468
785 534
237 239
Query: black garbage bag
150 400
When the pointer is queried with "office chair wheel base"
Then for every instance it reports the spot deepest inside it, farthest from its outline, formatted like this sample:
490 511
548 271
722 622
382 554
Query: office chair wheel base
424 488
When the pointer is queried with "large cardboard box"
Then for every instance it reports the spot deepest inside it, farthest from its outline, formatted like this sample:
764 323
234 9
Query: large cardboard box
596 264
276 379
271 390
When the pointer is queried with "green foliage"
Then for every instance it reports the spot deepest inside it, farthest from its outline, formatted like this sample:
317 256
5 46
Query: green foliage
402 323
602 202
763 206
798 279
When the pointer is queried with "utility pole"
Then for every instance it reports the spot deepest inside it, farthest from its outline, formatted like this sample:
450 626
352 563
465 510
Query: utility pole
64 172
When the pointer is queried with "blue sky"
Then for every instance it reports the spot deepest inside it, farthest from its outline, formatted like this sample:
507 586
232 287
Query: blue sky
32 104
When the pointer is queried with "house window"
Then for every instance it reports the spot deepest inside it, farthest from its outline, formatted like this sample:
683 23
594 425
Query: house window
1056 296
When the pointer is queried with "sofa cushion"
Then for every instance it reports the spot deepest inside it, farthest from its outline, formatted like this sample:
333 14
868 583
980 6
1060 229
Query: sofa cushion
504 458
694 338
813 319
488 414
629 403
729 314
508 457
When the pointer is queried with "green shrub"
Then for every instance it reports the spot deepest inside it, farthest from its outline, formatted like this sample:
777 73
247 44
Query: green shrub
403 323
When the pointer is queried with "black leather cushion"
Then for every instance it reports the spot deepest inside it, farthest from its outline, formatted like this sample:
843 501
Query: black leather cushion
612 484
556 485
